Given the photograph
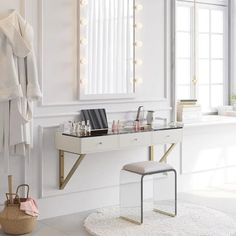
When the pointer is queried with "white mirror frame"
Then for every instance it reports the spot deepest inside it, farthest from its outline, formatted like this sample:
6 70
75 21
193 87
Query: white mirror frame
82 95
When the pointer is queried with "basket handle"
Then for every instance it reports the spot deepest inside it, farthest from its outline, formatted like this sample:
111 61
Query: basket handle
20 186
10 196
10 186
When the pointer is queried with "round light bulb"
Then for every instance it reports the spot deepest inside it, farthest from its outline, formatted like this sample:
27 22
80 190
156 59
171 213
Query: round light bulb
138 44
83 22
138 62
82 82
138 81
138 25
138 7
83 2
83 41
83 61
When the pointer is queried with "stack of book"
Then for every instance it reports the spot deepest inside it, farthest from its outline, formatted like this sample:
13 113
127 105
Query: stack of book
188 111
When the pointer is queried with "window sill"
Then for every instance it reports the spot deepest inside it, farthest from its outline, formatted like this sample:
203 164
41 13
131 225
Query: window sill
211 120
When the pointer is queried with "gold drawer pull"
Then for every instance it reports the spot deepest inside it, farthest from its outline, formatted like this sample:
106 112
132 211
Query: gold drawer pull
100 143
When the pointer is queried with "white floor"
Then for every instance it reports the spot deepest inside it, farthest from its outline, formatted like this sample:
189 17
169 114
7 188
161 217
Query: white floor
223 199
71 225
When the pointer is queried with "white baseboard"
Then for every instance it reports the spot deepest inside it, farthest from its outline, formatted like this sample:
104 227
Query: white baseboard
83 201
78 202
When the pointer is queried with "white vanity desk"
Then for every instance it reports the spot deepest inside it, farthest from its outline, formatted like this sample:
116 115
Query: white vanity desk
149 137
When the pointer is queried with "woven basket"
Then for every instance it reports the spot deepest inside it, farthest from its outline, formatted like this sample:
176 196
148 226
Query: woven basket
12 219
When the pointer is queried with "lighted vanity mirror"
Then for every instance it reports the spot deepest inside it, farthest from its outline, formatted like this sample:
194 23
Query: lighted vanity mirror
107 49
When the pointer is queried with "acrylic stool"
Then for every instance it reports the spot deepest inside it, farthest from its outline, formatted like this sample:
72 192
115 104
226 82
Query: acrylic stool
163 177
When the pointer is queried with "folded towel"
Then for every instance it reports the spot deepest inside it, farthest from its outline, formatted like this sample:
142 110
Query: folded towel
29 207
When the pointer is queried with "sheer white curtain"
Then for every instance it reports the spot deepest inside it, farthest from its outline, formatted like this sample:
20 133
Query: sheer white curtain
110 47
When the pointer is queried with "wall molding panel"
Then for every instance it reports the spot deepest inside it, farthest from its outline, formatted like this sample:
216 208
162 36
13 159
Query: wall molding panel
43 54
76 101
47 191
41 155
111 101
109 112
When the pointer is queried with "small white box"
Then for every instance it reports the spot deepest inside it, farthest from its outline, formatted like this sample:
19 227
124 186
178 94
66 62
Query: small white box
189 113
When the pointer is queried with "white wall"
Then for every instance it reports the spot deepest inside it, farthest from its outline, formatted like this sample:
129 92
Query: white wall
208 155
96 182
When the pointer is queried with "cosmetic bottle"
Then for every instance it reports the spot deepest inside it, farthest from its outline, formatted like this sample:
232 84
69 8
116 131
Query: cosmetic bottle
150 117
136 125
70 126
114 127
74 127
88 128
118 126
78 130
83 128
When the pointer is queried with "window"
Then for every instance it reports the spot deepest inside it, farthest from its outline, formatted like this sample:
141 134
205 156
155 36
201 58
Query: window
202 53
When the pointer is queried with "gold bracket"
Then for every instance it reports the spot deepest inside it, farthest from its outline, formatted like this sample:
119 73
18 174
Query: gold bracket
164 157
167 153
62 180
151 153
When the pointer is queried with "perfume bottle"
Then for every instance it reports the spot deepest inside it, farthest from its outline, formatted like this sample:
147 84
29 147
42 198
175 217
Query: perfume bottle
136 125
70 126
83 128
78 128
88 128
74 127
118 126
114 127
150 117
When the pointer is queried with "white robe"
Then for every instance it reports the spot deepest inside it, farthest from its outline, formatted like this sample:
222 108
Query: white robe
18 84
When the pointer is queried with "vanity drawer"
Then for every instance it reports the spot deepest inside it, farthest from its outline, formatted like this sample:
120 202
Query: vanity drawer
167 136
99 144
136 139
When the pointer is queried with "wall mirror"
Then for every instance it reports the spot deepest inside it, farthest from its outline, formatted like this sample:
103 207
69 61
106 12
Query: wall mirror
107 48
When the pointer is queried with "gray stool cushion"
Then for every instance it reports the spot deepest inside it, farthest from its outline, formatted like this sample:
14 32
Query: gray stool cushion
146 167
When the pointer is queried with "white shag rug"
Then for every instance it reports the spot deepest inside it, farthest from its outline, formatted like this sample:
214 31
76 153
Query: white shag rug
192 220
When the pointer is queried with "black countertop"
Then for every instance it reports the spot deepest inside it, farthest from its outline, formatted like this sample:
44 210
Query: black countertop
127 130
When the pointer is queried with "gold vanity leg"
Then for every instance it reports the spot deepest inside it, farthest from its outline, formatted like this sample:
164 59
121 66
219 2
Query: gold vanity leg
151 153
64 181
167 152
61 167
